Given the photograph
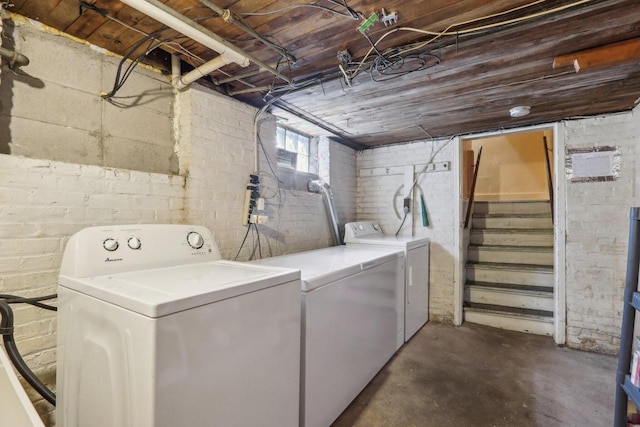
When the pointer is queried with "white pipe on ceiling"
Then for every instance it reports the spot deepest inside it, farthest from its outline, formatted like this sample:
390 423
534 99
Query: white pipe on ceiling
229 53
169 17
201 71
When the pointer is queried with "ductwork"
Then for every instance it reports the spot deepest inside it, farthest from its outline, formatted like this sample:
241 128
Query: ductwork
321 187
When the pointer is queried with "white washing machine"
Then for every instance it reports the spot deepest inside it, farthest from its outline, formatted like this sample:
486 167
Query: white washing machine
154 329
351 306
416 250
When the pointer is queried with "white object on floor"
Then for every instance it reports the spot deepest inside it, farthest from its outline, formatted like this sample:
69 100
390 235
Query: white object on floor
416 250
16 410
155 330
350 305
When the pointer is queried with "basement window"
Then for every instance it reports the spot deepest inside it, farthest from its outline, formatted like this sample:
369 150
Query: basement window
293 149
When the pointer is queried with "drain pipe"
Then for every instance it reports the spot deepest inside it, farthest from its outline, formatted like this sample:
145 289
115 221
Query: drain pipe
15 59
171 18
321 187
180 82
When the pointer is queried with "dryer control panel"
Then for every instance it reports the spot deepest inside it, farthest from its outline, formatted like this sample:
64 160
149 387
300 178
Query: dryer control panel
113 249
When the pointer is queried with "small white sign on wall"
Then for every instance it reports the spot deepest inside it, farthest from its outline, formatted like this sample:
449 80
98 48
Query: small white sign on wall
594 164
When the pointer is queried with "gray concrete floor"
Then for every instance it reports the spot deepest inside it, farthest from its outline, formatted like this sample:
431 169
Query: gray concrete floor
479 376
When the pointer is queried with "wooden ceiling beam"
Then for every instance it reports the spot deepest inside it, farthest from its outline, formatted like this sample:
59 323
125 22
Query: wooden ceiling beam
608 55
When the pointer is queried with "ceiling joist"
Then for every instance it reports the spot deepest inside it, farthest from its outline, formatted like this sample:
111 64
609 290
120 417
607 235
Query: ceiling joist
613 54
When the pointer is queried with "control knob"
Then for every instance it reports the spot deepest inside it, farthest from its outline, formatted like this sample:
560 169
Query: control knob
134 243
110 244
195 240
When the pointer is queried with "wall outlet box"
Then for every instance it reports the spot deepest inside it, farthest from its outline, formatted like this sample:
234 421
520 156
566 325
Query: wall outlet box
259 219
438 167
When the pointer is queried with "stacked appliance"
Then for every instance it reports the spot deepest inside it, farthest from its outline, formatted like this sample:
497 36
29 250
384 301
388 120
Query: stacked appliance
416 282
154 329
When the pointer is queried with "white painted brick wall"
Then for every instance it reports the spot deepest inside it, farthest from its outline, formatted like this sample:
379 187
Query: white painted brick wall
380 173
597 224
337 167
217 142
42 204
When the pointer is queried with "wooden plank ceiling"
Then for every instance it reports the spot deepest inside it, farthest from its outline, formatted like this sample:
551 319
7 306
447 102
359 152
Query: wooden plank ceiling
495 54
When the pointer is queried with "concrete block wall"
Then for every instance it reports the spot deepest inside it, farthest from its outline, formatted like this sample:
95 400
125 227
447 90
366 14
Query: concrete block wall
217 142
43 203
52 108
597 223
380 188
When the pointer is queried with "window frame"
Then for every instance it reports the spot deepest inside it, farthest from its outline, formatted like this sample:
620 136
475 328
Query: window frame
289 156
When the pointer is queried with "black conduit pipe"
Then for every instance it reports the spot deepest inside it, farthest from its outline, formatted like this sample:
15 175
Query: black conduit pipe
628 318
6 328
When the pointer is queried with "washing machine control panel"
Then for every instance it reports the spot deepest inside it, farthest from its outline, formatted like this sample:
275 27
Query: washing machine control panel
113 249
360 229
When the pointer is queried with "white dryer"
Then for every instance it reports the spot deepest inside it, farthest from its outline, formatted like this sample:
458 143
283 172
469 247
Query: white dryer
155 330
351 304
416 250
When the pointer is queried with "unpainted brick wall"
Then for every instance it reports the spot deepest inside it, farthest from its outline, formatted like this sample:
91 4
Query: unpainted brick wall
597 225
380 188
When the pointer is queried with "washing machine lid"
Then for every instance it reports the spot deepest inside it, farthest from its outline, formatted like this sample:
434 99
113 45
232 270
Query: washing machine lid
323 266
159 292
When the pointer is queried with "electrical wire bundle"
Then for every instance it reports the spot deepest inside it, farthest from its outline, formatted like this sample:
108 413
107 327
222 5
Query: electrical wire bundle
6 329
368 64
350 13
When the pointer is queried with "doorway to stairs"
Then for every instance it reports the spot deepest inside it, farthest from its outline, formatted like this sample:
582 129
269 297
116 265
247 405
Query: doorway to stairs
509 240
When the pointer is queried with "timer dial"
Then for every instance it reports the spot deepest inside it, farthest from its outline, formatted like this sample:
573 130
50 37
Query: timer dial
195 240
110 244
134 243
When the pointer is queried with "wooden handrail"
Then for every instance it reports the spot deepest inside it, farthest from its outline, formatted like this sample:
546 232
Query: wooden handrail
473 189
549 180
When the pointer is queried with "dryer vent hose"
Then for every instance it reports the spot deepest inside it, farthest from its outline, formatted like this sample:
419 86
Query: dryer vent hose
321 187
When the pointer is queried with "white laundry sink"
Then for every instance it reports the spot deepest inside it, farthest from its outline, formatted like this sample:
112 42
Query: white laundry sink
16 409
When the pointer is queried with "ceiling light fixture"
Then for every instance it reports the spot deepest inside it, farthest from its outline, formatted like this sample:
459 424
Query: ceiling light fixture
520 111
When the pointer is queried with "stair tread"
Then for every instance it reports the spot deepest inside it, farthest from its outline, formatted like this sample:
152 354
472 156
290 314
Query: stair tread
500 202
513 230
512 248
536 215
512 286
519 267
500 309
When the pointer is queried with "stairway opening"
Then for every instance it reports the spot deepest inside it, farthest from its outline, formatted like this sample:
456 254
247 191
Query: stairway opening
510 255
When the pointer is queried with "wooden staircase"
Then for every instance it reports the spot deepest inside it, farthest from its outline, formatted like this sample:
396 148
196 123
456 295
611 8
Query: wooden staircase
510 267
